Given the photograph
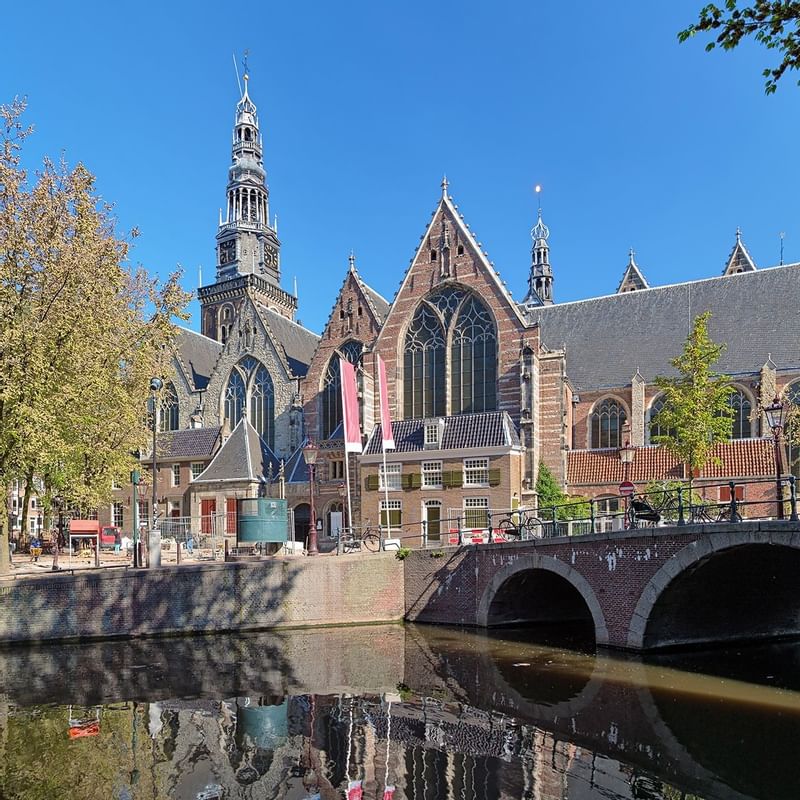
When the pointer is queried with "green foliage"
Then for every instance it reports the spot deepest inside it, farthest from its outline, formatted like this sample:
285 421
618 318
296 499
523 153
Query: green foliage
402 553
661 493
696 411
437 554
81 332
550 494
773 23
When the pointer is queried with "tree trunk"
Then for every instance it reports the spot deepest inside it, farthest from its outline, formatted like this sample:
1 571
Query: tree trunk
5 556
26 502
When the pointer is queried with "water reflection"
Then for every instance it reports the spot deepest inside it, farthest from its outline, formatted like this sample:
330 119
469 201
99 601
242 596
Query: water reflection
393 713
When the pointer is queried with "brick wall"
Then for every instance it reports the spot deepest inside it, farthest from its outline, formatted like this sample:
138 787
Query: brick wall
205 597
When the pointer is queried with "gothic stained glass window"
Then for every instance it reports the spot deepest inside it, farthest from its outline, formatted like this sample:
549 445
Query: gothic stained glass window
656 428
332 387
473 360
742 408
262 405
168 419
606 424
235 394
424 394
456 316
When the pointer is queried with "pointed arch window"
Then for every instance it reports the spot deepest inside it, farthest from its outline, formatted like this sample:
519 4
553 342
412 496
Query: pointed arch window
742 409
655 427
250 387
606 424
332 387
168 413
455 316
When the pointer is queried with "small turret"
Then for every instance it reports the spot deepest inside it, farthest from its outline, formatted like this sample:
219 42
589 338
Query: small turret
540 280
632 280
739 260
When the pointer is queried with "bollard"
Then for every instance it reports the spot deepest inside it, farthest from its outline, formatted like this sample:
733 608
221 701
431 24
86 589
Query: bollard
793 498
488 526
178 551
733 512
226 549
425 532
460 537
681 520
97 553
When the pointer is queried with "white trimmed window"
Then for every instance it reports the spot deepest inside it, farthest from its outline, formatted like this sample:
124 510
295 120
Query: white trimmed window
395 509
197 469
431 474
475 512
118 514
476 472
176 474
391 479
431 434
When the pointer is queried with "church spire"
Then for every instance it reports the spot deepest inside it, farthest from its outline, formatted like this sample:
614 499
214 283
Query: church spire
246 244
540 280
633 279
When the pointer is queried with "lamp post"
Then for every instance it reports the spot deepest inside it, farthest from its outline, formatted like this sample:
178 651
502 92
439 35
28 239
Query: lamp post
775 413
156 385
626 454
58 504
310 453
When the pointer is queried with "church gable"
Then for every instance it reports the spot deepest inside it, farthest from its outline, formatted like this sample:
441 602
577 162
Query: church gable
632 280
740 259
450 275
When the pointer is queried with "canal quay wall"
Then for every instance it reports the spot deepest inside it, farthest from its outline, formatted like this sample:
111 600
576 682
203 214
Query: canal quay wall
203 598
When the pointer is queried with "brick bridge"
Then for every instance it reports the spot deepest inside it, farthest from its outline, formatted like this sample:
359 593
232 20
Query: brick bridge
639 590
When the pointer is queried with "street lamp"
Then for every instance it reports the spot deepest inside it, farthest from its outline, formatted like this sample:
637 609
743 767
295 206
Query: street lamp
156 385
58 504
310 453
776 414
626 454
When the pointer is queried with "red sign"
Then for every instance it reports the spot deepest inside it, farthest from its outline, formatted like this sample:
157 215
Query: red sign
626 488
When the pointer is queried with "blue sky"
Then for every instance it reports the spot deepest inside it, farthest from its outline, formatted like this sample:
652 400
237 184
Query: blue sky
638 141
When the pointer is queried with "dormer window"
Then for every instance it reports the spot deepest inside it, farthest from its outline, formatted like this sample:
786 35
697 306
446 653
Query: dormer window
433 434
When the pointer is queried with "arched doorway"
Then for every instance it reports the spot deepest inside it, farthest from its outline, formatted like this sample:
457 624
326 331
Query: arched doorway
302 517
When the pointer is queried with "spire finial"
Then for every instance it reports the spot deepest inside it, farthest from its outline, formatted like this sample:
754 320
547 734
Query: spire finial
631 254
538 190
246 75
352 261
738 234
445 184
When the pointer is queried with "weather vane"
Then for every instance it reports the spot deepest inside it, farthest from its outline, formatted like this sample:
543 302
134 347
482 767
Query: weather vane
244 63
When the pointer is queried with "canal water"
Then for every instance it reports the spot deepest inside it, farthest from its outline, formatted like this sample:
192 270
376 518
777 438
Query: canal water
396 713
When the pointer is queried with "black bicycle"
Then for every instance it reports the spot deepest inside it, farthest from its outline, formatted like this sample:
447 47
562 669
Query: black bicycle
350 540
518 525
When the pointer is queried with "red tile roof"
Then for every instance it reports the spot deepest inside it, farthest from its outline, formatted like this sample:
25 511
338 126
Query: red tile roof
738 459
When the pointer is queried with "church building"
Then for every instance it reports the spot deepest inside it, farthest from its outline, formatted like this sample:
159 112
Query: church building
485 387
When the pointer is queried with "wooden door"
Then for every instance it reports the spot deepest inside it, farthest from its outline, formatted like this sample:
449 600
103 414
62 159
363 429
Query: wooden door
207 510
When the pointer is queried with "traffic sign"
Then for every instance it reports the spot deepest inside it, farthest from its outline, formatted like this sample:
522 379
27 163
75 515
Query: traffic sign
626 488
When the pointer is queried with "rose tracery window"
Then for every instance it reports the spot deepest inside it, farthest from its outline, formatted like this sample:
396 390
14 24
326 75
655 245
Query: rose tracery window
606 424
332 387
453 320
250 386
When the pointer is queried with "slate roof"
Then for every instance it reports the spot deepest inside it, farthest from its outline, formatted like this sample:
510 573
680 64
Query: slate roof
739 458
198 354
298 343
295 469
461 432
608 338
243 457
189 443
380 305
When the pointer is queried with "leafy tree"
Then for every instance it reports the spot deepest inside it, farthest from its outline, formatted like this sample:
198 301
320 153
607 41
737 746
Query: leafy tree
696 413
550 495
773 23
81 332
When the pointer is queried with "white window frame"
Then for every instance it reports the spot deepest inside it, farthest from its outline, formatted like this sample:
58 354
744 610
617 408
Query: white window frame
473 505
393 505
176 475
197 468
393 477
117 514
475 468
431 475
431 434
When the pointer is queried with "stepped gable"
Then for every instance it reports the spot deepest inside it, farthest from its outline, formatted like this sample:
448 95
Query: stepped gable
244 456
197 355
753 313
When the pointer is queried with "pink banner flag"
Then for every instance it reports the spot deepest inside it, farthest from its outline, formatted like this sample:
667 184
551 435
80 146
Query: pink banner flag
386 420
352 430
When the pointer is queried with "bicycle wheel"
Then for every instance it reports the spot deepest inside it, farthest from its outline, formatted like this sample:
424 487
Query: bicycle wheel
371 542
508 530
533 528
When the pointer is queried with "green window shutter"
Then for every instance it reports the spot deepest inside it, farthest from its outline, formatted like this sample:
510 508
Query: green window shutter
494 477
414 480
371 482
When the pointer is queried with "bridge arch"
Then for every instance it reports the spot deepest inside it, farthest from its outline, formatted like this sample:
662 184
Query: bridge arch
739 584
559 575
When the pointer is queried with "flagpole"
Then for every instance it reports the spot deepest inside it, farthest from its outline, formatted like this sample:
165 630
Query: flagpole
347 483
386 491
